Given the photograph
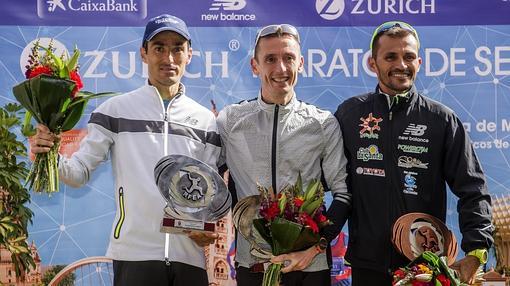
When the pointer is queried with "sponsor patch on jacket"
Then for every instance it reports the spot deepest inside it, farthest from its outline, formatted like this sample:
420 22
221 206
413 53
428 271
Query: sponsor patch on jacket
413 149
369 127
414 132
411 162
410 184
415 129
369 153
370 171
190 120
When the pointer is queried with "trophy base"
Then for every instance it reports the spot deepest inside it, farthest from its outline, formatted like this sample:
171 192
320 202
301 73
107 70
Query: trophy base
173 225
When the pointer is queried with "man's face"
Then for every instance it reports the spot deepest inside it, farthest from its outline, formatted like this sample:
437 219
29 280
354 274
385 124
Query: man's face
277 65
396 63
166 56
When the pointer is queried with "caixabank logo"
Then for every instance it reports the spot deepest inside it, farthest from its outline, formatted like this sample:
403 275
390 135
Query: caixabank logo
57 8
228 10
334 9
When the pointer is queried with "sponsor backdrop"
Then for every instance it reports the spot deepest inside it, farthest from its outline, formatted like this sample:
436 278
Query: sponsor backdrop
466 64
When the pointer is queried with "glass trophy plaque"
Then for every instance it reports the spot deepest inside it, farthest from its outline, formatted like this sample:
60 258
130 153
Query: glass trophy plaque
196 195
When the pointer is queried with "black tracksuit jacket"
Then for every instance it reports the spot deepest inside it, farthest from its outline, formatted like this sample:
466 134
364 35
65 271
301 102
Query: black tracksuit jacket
400 161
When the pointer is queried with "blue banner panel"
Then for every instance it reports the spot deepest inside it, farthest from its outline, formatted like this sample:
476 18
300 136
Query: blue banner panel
465 47
467 68
246 13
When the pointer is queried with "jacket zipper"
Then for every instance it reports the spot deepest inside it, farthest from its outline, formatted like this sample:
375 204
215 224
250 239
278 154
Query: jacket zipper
118 226
166 121
389 174
273 149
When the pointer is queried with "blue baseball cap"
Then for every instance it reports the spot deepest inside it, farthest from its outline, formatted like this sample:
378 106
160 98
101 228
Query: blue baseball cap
165 22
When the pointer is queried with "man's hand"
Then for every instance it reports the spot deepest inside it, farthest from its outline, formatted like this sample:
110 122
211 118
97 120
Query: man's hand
298 260
43 140
202 238
467 268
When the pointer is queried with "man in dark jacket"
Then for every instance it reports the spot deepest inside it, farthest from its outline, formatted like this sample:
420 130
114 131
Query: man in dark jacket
402 150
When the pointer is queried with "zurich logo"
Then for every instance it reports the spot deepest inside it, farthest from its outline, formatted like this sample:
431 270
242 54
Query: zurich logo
228 5
330 9
53 4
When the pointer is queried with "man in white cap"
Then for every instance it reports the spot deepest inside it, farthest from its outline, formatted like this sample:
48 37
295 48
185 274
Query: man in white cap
137 129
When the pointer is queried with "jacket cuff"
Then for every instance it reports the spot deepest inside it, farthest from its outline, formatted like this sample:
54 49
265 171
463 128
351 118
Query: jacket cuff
337 214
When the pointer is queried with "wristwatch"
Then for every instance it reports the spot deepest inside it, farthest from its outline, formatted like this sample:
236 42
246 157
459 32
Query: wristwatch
481 254
322 245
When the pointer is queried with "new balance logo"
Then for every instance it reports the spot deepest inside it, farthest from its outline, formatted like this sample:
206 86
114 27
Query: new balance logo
415 130
53 4
228 5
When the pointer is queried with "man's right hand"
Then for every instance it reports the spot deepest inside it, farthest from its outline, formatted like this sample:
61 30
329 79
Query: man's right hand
43 140
296 261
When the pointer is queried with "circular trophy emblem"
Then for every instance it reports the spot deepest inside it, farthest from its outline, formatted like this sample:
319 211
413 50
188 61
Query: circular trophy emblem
414 233
192 184
192 189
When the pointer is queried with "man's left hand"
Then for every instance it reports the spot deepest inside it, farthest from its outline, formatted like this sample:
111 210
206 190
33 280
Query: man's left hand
467 268
298 260
202 238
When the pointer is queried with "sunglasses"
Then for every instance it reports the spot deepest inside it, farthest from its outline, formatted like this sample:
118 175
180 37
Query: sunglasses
273 29
392 24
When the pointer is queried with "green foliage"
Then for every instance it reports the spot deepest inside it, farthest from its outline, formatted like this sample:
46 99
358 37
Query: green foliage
50 273
14 215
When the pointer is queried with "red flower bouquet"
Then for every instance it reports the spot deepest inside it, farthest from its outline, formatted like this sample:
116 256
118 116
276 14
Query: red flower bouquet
290 221
51 94
426 270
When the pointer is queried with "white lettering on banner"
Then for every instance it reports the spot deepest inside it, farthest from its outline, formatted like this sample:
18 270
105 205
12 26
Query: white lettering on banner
500 60
375 7
485 61
488 126
228 17
227 5
496 143
453 60
442 54
316 59
223 64
129 65
117 66
505 125
107 6
341 65
312 65
320 63
491 126
484 126
97 57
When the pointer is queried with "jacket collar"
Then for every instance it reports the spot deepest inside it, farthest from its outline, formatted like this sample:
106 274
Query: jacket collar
152 90
406 99
282 108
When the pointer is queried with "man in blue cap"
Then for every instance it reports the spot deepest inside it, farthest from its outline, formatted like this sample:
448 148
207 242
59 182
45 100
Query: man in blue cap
137 129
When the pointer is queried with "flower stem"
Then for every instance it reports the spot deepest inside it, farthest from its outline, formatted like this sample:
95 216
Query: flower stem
43 175
272 275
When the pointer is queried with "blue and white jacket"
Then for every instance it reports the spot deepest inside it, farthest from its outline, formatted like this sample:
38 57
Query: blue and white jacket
136 130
